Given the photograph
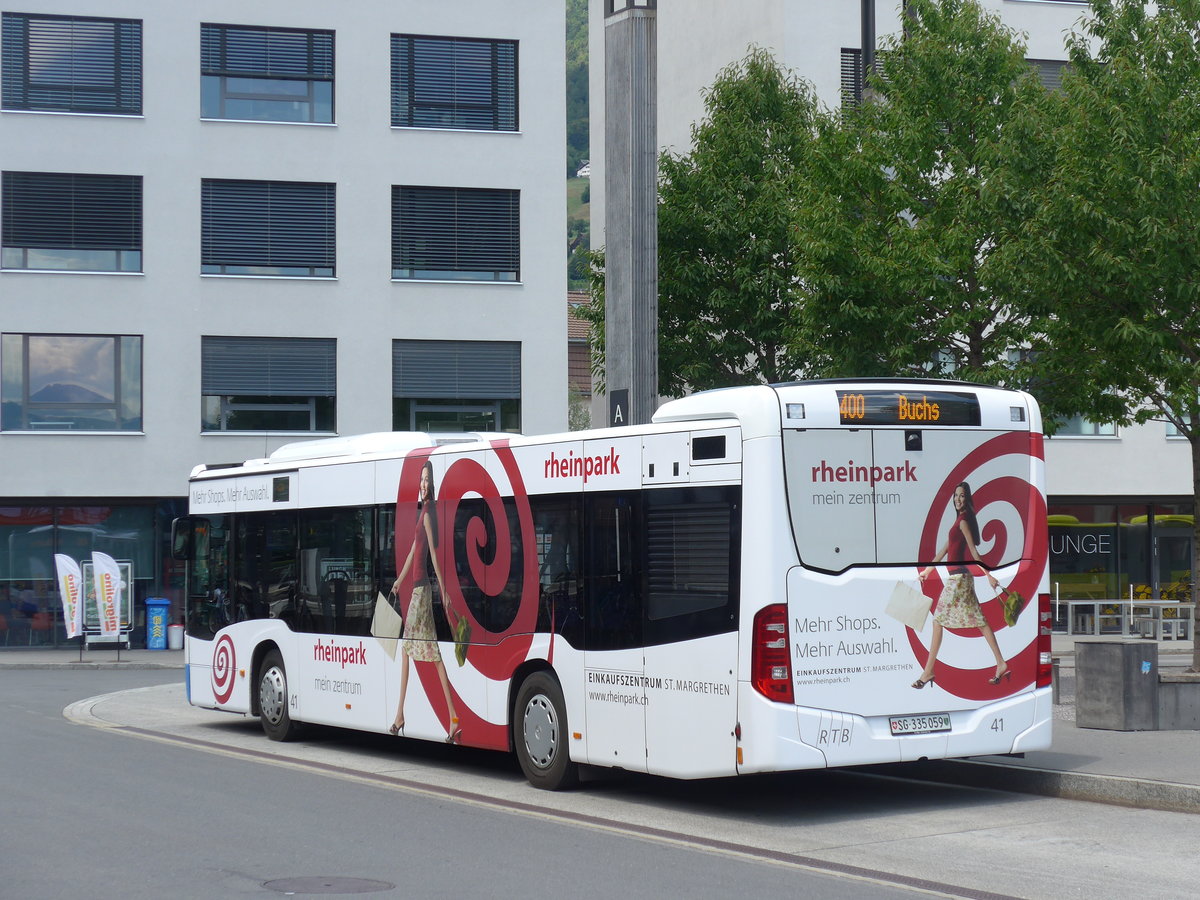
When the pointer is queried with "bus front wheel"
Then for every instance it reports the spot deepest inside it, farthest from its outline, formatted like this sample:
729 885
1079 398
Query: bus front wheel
273 699
540 734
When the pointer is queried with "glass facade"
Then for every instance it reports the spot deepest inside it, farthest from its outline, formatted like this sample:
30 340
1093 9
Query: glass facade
30 536
1119 551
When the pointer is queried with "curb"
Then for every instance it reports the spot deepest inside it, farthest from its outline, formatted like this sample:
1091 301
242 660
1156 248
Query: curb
1115 790
77 666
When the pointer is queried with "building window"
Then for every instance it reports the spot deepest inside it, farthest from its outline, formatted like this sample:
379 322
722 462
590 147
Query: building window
1078 426
1174 431
456 386
77 223
272 228
456 234
72 64
448 82
852 77
71 382
1050 72
266 74
268 384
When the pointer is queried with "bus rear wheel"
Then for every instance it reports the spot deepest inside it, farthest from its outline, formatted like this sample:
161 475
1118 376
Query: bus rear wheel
273 699
540 734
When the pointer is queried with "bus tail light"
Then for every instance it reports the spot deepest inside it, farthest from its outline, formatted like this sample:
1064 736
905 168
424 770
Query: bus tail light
1045 665
770 657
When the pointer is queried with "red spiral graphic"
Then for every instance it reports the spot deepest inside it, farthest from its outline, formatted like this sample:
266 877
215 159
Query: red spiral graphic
224 665
1030 505
495 654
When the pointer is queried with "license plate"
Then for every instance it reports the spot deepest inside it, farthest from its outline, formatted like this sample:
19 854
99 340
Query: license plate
928 724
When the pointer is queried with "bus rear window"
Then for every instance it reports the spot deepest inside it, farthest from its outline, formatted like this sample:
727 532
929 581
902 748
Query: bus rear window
861 496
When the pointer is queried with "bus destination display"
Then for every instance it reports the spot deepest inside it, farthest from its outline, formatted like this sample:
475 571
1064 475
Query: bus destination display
908 408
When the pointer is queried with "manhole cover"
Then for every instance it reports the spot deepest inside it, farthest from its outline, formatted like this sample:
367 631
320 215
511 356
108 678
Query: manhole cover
326 884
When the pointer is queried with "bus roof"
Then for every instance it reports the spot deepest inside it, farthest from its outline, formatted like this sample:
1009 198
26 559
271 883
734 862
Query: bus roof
759 410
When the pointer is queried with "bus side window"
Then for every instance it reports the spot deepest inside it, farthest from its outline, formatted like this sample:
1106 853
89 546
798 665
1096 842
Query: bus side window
265 569
693 547
613 611
335 578
385 552
556 523
208 575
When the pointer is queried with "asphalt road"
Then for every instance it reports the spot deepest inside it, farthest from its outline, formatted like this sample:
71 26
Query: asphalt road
189 803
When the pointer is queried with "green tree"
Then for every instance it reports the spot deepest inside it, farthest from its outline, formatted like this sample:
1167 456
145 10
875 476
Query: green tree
729 275
730 279
913 197
1114 240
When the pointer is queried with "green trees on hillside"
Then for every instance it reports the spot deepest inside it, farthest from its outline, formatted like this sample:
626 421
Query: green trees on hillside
577 85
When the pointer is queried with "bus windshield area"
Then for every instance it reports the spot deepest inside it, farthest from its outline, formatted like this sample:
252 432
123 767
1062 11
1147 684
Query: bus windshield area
861 496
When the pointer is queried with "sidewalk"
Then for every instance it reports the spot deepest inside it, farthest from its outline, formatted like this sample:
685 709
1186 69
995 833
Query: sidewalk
99 658
1148 769
1145 769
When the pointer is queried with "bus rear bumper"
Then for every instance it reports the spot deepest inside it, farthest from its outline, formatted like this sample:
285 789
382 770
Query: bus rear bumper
776 737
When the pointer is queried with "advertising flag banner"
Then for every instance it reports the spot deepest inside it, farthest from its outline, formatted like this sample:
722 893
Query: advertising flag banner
108 593
69 588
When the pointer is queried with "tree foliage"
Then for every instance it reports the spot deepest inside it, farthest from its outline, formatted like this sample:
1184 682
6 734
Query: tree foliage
919 191
966 222
1114 239
1115 236
730 282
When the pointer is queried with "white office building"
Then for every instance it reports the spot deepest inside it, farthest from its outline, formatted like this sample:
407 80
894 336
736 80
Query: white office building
229 226
1120 498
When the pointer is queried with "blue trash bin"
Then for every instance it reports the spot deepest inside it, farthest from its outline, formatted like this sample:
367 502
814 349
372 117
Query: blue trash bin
157 612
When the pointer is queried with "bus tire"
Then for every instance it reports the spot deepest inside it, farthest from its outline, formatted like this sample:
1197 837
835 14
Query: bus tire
273 699
540 734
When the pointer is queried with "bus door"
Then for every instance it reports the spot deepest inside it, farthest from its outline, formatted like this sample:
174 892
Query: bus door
203 542
693 549
614 667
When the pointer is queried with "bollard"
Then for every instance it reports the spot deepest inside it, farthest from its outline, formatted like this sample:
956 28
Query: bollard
1056 687
1116 685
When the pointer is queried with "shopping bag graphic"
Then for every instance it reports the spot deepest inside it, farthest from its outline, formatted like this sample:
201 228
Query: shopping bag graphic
908 606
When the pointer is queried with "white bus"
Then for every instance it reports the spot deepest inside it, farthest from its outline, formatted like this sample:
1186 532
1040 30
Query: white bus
744 585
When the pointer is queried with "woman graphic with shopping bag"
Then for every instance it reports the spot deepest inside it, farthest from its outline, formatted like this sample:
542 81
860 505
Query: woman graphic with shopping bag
958 606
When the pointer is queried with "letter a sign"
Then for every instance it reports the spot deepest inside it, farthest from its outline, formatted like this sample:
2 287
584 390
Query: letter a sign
618 407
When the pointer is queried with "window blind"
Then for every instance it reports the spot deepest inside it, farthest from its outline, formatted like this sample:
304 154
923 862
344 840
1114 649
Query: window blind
71 64
445 229
449 82
73 212
267 223
852 77
458 370
687 557
1050 72
270 366
265 52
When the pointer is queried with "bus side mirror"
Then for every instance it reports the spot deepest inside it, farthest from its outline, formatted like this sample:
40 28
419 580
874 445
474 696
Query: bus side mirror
189 538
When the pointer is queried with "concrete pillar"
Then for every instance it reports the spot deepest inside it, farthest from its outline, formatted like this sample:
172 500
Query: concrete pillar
631 218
